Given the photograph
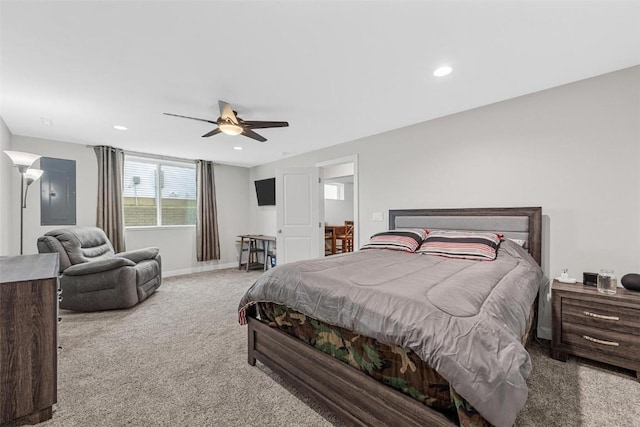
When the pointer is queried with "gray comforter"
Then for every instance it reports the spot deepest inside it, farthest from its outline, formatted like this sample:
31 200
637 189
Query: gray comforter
464 318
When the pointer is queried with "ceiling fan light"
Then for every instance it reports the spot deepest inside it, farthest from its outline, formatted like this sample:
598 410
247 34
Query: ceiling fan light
230 128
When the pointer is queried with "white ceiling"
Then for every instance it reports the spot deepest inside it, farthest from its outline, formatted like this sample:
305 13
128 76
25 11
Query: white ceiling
336 70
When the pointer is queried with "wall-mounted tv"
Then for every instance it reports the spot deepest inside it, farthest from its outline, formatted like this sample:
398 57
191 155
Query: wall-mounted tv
266 191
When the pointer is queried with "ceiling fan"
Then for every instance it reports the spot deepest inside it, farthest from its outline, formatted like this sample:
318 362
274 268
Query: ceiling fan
231 124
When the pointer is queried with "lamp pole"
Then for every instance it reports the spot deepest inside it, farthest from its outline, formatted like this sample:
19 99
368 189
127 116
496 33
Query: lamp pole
21 207
23 161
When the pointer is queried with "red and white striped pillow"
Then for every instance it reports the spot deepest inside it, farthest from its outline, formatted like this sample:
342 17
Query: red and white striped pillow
402 239
461 244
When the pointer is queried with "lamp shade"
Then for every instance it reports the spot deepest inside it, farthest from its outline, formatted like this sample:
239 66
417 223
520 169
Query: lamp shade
22 160
29 176
32 175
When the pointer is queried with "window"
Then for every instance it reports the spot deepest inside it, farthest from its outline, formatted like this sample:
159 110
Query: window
334 191
158 192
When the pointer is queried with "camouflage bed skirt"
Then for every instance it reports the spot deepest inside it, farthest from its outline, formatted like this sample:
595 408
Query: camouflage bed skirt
399 368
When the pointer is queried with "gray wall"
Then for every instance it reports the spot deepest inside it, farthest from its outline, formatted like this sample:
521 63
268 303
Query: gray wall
7 202
574 150
177 244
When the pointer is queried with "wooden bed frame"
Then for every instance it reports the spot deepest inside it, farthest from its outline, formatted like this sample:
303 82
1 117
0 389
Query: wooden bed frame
352 395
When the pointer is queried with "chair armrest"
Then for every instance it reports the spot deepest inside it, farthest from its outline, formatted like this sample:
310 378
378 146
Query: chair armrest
140 254
99 266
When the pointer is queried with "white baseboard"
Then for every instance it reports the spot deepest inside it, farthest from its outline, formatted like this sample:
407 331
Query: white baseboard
199 269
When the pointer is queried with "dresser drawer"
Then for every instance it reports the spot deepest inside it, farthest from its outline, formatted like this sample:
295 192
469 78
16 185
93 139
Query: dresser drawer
601 315
601 341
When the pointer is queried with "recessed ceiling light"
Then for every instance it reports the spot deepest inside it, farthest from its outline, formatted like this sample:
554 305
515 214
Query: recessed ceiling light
237 148
119 127
46 121
442 71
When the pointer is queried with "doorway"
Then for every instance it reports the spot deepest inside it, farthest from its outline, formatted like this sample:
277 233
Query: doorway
300 212
340 205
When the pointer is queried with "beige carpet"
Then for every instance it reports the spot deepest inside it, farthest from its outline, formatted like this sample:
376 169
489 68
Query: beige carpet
179 359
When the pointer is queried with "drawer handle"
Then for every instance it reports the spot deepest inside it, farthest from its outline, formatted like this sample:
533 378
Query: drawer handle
601 316
595 340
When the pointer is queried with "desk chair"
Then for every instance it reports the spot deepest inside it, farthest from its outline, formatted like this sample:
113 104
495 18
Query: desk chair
346 237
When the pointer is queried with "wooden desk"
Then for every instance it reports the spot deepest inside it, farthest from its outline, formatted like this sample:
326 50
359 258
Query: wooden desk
253 248
28 337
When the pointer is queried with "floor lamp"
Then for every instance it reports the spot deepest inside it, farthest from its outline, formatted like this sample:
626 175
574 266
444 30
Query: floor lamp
28 176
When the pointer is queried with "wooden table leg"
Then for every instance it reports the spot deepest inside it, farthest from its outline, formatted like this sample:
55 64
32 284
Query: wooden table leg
333 242
241 252
265 243
252 243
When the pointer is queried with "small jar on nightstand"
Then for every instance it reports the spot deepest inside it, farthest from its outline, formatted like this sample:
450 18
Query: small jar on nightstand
607 282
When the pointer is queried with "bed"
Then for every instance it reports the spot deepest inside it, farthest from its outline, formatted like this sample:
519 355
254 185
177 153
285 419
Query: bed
356 396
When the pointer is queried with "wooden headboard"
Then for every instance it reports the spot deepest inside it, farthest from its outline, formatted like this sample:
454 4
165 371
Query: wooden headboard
516 223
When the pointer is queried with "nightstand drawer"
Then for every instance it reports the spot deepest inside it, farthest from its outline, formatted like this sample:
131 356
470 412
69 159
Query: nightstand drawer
601 341
601 315
601 327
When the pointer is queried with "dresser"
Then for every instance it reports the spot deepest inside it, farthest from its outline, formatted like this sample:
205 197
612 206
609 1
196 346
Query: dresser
596 326
28 337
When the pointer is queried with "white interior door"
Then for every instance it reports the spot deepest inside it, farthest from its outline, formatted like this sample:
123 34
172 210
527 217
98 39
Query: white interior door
298 214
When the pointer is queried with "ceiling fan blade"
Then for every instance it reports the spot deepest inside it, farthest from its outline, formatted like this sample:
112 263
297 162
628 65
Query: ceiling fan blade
251 134
192 118
226 112
253 124
213 132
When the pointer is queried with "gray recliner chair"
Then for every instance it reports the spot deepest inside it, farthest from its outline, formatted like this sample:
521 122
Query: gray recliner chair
93 277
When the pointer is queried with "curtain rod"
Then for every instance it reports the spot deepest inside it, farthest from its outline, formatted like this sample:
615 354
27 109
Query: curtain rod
158 156
152 156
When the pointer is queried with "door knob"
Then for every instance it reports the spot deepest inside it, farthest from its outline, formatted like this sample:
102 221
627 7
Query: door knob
280 231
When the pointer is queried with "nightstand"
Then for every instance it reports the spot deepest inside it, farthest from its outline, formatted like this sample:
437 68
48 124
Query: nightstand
596 326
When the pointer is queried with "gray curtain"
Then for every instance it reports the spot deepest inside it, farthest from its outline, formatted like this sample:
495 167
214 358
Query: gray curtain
110 177
207 241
